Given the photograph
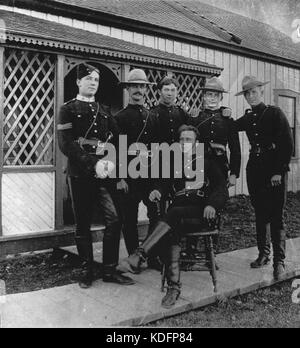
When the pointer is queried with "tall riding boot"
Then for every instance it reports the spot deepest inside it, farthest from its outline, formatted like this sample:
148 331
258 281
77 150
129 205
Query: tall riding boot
85 251
111 246
134 261
263 244
173 277
279 247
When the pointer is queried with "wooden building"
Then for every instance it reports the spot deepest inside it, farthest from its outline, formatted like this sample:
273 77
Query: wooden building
41 43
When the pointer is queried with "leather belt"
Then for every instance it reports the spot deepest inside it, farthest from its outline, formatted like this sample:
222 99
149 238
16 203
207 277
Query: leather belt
96 145
91 142
219 149
188 193
258 150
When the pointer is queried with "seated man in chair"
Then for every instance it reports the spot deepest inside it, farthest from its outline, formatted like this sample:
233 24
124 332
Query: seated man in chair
209 197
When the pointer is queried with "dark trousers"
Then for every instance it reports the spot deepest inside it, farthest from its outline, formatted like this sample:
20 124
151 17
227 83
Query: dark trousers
175 215
129 208
268 203
86 193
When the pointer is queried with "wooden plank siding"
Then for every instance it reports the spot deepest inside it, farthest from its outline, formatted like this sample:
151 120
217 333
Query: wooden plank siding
27 203
235 67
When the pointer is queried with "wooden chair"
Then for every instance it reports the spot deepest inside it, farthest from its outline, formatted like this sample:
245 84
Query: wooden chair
196 231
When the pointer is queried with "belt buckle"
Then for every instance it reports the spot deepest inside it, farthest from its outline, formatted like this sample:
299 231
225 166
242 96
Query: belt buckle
200 193
219 152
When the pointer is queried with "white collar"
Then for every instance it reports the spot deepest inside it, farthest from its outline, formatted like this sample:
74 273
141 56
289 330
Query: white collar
85 99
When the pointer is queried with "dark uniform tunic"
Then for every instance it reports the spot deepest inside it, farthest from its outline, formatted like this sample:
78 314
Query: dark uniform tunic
191 203
89 120
170 119
215 128
140 126
271 143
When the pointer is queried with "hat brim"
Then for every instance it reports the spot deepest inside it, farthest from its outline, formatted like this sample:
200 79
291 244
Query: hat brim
213 90
260 84
137 82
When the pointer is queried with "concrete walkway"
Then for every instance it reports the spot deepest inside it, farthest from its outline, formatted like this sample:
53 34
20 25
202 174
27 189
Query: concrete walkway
110 305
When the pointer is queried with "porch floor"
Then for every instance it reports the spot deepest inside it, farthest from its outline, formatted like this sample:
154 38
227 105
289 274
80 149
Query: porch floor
110 305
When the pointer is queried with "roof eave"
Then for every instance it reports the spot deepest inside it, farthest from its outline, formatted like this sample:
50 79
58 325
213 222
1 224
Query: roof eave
146 28
35 40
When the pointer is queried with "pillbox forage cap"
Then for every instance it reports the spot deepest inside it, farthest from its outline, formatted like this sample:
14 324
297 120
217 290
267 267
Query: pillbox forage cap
84 70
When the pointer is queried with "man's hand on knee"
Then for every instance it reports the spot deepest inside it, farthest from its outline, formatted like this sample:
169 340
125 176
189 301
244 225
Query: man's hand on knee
209 213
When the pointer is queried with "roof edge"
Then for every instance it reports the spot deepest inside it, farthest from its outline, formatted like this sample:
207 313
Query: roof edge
35 40
146 28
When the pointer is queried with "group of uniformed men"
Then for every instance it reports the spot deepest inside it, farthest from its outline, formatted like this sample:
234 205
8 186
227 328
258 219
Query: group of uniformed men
85 126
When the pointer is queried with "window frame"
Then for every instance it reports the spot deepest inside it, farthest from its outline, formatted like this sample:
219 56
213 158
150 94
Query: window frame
295 95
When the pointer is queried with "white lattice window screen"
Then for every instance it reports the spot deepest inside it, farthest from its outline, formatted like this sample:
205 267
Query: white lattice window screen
189 92
152 96
28 109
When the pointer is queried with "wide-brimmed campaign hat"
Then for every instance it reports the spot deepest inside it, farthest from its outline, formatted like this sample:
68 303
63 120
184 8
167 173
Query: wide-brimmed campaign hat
135 77
250 82
215 85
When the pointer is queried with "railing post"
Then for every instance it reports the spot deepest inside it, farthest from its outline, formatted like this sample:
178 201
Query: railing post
1 128
59 185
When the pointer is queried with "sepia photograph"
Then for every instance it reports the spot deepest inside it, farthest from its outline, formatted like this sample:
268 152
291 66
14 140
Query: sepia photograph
149 166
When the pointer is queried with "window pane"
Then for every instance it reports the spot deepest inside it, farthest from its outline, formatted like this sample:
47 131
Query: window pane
287 104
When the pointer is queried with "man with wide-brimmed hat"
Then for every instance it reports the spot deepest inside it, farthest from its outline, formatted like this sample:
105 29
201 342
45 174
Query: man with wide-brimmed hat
216 127
271 141
141 127
84 126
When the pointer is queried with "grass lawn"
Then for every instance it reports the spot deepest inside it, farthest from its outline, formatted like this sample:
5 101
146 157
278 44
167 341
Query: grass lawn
265 308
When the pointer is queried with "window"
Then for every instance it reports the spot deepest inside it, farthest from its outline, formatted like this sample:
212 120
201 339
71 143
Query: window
288 101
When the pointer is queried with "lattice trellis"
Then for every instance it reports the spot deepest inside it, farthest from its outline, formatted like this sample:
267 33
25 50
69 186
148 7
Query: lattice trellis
189 93
152 97
28 108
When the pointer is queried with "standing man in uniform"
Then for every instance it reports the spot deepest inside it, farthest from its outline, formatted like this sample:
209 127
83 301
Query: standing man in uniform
271 150
84 127
137 123
216 127
170 118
